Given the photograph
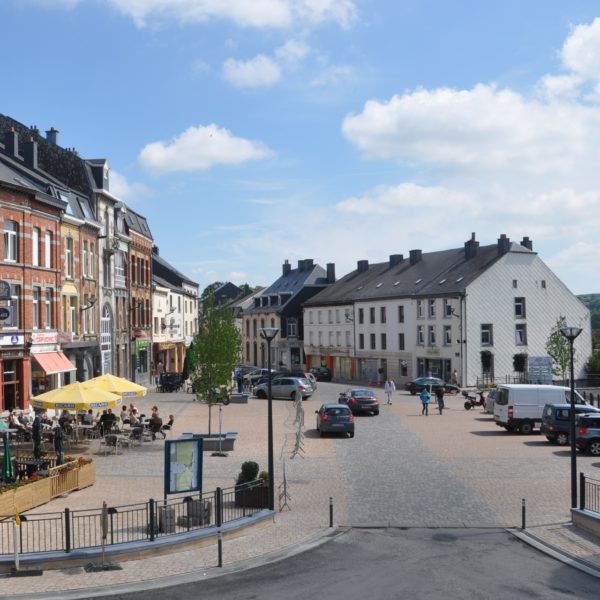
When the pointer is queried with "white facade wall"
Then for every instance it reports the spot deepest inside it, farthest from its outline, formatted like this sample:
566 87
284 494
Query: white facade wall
491 299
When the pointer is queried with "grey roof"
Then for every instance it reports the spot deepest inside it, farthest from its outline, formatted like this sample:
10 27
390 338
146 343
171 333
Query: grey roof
168 272
137 223
164 283
442 273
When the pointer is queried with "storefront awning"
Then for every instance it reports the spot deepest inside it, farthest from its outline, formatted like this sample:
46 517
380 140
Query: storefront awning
54 362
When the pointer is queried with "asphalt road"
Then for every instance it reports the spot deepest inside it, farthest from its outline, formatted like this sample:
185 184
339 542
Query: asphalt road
385 564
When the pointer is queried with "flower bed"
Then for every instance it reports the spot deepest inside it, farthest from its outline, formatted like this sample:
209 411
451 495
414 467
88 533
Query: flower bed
39 489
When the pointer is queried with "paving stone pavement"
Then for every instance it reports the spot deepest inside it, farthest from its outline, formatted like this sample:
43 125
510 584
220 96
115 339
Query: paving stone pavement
401 469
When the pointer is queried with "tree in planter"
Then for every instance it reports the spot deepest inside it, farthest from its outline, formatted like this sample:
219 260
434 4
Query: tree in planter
213 354
557 347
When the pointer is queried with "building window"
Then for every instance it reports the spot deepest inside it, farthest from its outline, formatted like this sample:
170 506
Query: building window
400 341
13 306
521 334
383 341
431 306
487 334
373 341
48 303
320 317
48 249
11 231
310 317
401 314
447 308
347 339
361 315
91 270
372 314
120 270
419 309
330 316
247 327
403 368
543 284
331 339
447 335
37 293
420 336
35 247
69 257
254 327
431 335
361 341
520 308
338 338
382 314
73 314
515 283
337 315
292 328
85 258
320 335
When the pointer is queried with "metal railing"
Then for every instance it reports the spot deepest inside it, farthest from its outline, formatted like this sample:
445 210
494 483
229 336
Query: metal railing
77 529
589 493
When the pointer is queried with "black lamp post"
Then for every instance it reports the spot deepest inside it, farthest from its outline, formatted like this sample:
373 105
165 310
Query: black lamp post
269 333
571 333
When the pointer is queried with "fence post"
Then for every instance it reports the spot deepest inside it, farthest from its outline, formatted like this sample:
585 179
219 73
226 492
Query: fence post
67 530
219 507
152 518
523 514
581 491
330 511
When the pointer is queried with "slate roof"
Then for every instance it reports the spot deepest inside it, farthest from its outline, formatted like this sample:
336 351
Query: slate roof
137 223
443 273
162 269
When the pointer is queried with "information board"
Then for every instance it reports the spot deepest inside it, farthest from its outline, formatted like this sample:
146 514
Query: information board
183 465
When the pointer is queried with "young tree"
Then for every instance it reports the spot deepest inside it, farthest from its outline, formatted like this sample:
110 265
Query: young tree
213 354
557 347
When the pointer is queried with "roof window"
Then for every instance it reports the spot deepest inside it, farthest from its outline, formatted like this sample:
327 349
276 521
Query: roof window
443 281
396 283
418 281
459 279
379 285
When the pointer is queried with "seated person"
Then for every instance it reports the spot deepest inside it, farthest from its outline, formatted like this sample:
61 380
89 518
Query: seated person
134 418
65 421
124 414
88 418
167 426
106 422
155 424
15 423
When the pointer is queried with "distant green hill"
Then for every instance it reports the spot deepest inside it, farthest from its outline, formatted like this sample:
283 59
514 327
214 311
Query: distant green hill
592 301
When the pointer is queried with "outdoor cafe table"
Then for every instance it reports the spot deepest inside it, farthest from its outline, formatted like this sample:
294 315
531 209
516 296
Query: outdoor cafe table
80 431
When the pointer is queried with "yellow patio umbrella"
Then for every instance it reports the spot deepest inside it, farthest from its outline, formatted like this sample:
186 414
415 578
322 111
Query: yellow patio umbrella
116 385
76 396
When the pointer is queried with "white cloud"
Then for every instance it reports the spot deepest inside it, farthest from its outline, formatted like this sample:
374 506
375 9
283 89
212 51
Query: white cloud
292 52
334 75
581 51
122 189
244 13
259 71
201 148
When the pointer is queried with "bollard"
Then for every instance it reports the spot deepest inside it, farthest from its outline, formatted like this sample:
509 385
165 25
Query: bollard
523 514
330 511
220 548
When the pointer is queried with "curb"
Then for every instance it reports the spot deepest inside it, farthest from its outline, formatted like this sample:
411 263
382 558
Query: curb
321 537
529 538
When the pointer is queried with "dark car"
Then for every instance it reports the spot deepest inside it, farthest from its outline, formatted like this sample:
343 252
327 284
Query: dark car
431 383
335 418
321 373
360 400
588 433
556 421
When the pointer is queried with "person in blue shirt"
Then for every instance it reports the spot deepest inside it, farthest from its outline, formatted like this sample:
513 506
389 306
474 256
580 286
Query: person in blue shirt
425 397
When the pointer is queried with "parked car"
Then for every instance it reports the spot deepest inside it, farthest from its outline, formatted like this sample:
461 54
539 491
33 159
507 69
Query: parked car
335 418
587 435
303 374
321 373
360 400
431 383
556 421
285 387
519 406
253 377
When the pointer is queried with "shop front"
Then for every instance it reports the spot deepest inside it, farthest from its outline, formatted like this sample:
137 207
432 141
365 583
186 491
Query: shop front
14 372
142 361
50 368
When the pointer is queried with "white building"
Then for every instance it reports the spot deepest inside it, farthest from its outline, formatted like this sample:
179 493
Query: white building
485 312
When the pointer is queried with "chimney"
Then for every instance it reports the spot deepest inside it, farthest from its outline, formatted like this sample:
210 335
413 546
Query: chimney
471 248
527 243
308 264
11 142
503 244
300 265
286 268
30 153
395 259
415 256
330 272
362 266
52 135
155 250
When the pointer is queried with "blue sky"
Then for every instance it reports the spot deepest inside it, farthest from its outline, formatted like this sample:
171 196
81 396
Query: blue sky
253 131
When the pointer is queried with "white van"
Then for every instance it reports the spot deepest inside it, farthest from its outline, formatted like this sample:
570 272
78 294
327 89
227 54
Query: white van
520 406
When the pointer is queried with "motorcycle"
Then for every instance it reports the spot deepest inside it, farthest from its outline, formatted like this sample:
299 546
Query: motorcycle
473 398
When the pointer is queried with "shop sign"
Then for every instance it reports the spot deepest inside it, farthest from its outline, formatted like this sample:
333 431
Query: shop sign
44 337
138 333
167 346
64 337
12 340
4 313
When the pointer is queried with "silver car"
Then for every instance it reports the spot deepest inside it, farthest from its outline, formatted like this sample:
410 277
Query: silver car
285 387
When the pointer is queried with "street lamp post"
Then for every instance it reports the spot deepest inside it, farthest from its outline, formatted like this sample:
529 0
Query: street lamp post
571 333
268 334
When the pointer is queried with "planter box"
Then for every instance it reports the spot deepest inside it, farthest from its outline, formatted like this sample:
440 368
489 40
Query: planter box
252 497
86 475
211 442
239 398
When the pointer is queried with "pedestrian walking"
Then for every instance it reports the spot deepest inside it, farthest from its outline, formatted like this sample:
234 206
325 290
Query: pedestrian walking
455 377
439 394
425 397
389 388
